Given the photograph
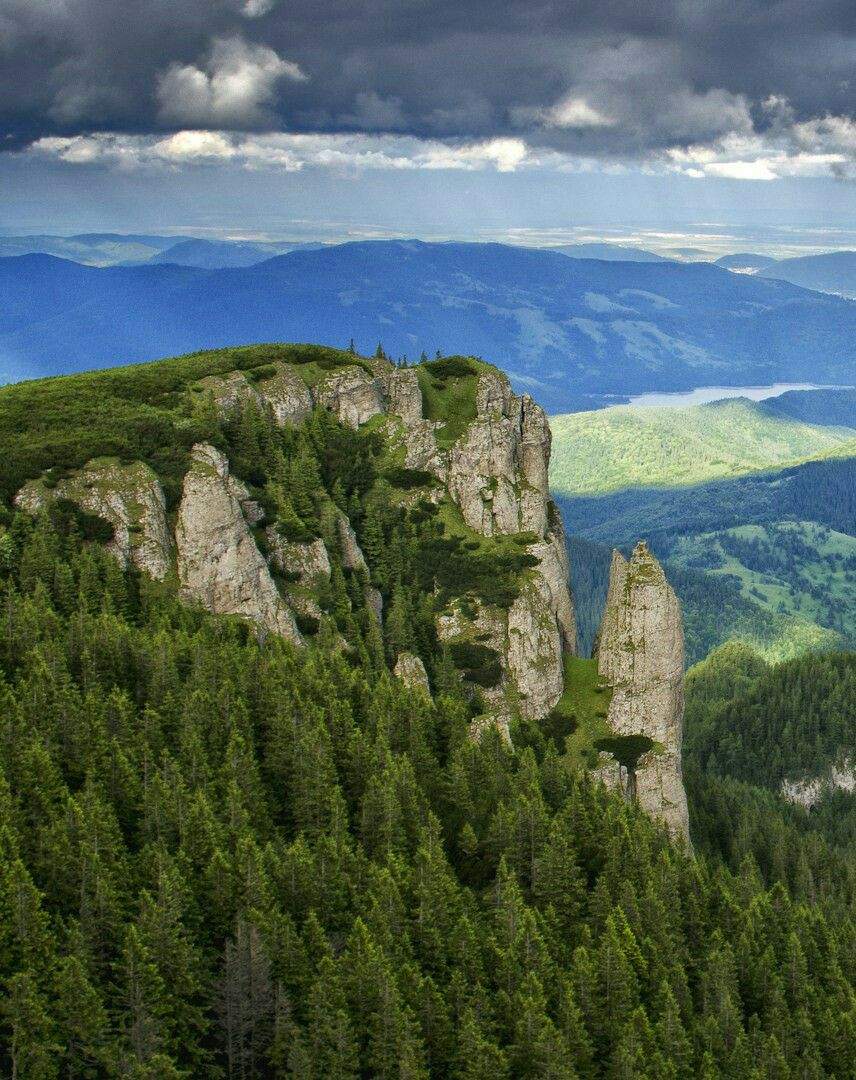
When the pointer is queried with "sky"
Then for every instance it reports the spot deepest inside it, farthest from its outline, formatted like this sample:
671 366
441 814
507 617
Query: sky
717 124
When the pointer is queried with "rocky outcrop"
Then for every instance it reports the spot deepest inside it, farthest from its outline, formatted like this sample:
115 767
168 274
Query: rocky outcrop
497 472
307 561
284 393
640 655
411 671
403 395
128 496
219 563
811 791
353 559
352 395
497 475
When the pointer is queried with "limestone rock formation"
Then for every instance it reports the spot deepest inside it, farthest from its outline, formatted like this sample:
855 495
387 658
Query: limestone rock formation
352 395
284 393
403 395
306 560
640 654
128 496
841 776
498 468
219 563
497 474
353 559
411 671
415 434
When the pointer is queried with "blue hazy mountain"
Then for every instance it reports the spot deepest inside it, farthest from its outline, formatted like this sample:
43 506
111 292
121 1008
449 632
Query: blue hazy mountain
610 253
745 262
568 329
833 272
212 254
94 249
224 254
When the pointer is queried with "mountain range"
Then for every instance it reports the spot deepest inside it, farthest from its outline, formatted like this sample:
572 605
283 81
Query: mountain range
575 332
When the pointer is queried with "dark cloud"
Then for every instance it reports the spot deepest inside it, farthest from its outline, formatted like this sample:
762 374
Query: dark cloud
613 78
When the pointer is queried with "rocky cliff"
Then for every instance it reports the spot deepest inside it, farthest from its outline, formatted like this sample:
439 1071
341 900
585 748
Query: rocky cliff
809 791
487 449
219 563
465 447
640 656
127 496
494 472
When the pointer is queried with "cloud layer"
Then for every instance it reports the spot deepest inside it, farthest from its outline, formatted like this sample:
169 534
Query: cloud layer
744 89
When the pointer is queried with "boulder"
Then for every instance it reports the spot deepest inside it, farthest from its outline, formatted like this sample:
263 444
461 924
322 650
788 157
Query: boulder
411 671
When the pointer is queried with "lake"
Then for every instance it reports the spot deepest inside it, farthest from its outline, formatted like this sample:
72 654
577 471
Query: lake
702 394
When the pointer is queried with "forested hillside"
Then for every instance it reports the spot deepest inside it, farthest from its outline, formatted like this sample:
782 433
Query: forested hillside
766 558
768 750
229 854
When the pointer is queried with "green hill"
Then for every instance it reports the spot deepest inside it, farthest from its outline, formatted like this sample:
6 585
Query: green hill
623 447
224 853
763 723
797 568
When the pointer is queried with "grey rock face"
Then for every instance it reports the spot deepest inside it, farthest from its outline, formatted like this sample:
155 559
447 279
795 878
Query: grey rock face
353 559
308 561
497 475
640 654
285 393
498 469
352 395
352 553
808 792
412 431
403 395
287 396
411 671
219 563
129 497
533 653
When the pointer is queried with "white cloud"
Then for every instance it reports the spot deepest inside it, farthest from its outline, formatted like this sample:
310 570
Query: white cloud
571 113
254 9
289 152
575 112
784 148
817 147
234 89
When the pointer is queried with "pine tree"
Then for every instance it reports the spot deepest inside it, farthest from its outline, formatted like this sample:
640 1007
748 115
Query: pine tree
333 1048
478 1056
32 1050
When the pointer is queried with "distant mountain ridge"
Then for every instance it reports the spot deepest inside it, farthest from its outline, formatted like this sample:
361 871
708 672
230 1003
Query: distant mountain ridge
832 272
569 330
610 253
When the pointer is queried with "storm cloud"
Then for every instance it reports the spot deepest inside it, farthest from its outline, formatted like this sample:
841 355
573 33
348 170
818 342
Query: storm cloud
743 88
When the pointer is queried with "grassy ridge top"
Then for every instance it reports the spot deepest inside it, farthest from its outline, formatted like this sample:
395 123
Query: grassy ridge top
139 411
599 452
143 411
